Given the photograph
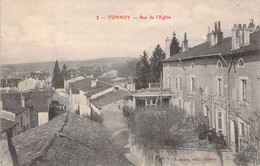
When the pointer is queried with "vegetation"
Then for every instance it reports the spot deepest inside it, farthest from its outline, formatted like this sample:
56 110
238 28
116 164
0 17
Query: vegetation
175 45
156 65
155 128
57 79
142 72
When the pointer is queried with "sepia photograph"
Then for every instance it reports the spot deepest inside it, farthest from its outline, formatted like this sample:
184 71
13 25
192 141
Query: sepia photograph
130 83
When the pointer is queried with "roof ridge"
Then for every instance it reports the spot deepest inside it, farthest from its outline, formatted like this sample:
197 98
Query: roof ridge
48 144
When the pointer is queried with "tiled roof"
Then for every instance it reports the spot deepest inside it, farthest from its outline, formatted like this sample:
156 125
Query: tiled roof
108 98
152 92
98 88
83 85
68 139
11 100
12 82
6 124
204 49
38 99
17 110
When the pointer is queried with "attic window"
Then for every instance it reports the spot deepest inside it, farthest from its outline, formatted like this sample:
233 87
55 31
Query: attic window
241 63
219 64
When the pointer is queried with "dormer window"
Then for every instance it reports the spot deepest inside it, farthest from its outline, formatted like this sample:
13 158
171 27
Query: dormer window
219 64
241 63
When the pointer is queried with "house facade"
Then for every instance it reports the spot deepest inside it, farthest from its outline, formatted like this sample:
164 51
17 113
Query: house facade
219 80
29 84
71 80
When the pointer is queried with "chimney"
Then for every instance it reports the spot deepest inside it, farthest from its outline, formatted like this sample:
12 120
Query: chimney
216 27
22 100
208 35
219 26
185 46
94 82
216 37
241 35
167 47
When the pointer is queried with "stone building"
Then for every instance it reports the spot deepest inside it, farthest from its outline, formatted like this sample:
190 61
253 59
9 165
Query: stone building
219 80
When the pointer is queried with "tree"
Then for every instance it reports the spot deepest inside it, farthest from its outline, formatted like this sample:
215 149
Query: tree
175 45
143 71
64 67
57 79
156 65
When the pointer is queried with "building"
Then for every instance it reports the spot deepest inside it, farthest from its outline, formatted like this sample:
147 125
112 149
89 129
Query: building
14 114
7 126
145 98
111 101
30 84
40 102
66 140
69 80
9 84
219 80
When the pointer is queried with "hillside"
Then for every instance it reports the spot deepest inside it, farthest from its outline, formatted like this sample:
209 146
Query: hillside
48 66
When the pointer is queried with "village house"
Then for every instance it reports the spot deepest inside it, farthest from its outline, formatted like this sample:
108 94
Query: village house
30 84
19 115
9 84
113 101
43 78
7 126
36 103
67 81
70 140
218 80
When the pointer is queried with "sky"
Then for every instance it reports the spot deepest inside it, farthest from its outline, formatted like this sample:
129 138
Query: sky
39 31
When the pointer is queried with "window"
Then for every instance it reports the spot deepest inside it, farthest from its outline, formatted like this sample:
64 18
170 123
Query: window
168 83
21 121
219 86
192 84
179 66
219 64
220 121
178 83
244 89
192 66
241 62
242 129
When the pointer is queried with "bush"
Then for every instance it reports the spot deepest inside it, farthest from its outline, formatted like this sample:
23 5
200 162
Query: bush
159 128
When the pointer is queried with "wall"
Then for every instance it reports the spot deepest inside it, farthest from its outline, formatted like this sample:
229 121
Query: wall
7 115
28 84
206 74
182 157
43 117
67 82
25 124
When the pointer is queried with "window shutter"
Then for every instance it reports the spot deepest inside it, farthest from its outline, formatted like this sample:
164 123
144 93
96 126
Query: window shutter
176 83
237 90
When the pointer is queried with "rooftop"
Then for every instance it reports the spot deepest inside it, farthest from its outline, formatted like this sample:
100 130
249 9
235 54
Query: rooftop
38 99
153 92
6 124
68 139
10 82
108 98
39 75
17 110
224 48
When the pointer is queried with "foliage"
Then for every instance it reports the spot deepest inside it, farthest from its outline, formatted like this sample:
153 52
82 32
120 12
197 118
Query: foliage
125 69
156 65
156 128
142 72
57 79
64 67
245 157
175 45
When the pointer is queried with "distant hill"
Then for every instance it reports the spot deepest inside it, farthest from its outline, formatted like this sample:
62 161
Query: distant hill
49 66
